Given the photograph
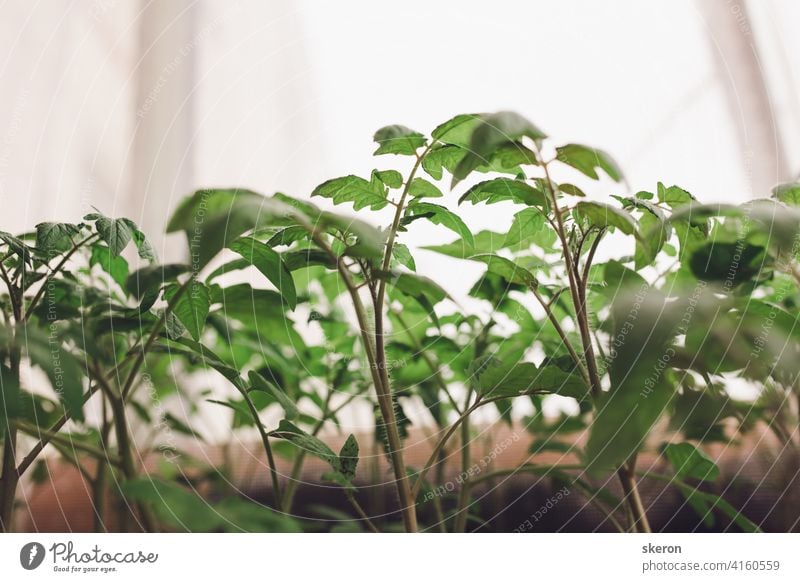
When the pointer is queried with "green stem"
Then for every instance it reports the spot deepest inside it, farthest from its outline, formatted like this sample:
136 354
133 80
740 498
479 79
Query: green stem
125 451
382 389
360 511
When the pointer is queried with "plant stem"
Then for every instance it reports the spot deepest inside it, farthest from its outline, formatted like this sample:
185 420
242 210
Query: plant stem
578 291
627 477
382 389
273 471
360 511
460 523
125 452
560 331
434 456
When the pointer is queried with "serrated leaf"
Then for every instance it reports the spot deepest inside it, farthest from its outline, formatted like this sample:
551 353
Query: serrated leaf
270 264
115 232
55 236
527 224
440 158
348 458
392 178
398 139
588 160
360 192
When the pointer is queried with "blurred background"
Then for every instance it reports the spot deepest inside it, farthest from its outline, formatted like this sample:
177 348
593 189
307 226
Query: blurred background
130 105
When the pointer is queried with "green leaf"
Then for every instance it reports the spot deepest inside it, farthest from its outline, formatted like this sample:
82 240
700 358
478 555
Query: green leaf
55 236
150 279
61 367
674 196
143 246
308 443
287 236
398 139
705 503
507 269
392 178
115 232
270 264
458 130
440 158
359 191
526 378
604 215
115 266
486 241
178 507
421 188
727 262
212 219
619 278
258 382
418 286
192 307
527 224
348 458
572 190
181 509
492 132
442 216
787 193
643 324
17 246
689 461
505 189
403 256
587 160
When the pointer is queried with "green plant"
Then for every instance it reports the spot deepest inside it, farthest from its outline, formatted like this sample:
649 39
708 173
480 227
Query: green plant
655 330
